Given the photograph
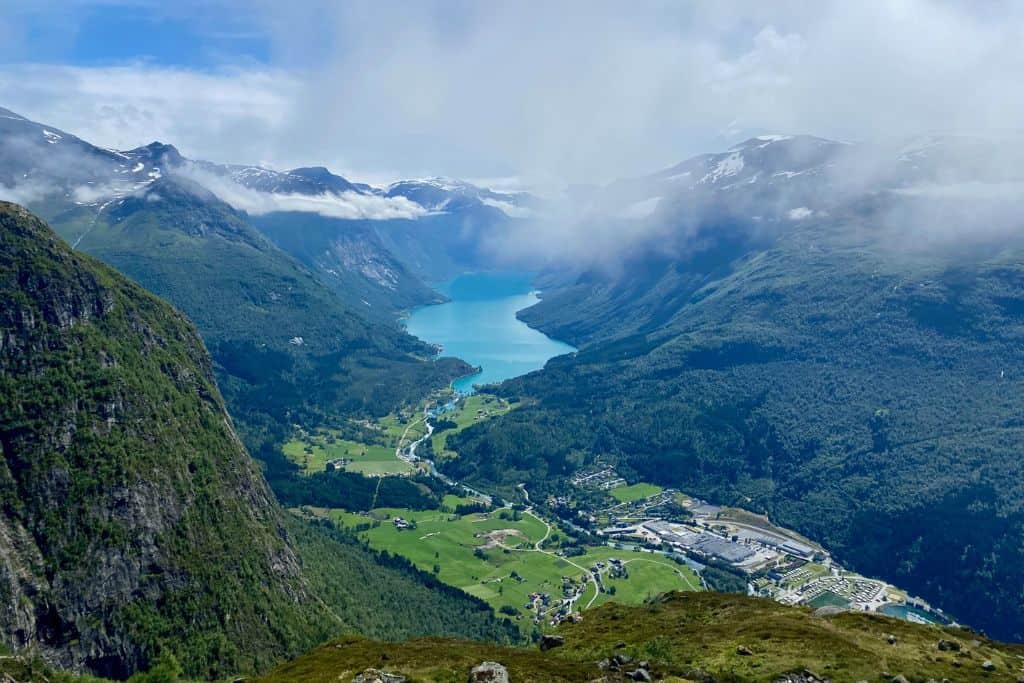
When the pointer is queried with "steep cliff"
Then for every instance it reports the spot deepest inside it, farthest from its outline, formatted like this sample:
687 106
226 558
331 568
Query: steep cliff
128 507
134 528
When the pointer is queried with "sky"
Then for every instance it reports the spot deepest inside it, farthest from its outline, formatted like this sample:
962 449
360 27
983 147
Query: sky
528 93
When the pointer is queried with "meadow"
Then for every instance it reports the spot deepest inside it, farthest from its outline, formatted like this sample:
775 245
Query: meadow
467 412
312 451
628 494
495 557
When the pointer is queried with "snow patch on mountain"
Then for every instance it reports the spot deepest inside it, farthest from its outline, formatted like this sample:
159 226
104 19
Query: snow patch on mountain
729 166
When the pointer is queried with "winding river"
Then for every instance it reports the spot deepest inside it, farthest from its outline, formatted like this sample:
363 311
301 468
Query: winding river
479 325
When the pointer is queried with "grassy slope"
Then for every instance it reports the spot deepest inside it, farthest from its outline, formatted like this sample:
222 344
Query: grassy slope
383 596
448 541
690 635
634 492
466 414
366 458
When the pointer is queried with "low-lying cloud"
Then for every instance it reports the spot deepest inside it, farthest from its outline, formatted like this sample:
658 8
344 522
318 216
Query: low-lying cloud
346 205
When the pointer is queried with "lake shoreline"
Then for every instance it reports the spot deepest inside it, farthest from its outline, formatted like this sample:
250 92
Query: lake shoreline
480 325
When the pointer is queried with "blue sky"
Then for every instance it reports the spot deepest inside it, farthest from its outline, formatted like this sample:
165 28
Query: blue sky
102 33
545 92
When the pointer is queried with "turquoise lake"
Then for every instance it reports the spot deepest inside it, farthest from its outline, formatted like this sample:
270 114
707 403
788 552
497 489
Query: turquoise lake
479 325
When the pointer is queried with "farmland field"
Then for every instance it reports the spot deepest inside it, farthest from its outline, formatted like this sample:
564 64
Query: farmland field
492 556
312 451
628 494
468 411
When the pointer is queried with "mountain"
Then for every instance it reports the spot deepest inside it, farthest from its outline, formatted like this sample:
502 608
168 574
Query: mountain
685 637
351 260
134 529
288 344
40 159
463 230
285 345
457 228
110 416
838 349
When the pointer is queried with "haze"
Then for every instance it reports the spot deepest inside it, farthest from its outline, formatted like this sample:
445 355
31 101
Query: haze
534 94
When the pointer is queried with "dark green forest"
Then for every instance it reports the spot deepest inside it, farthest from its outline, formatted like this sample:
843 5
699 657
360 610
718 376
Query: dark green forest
867 399
135 529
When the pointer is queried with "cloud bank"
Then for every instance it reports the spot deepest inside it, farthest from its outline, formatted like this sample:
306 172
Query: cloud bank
550 92
346 205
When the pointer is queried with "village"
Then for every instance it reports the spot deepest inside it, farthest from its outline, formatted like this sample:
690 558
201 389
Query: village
695 542
773 562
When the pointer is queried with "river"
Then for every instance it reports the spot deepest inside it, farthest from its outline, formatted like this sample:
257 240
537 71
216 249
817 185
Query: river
479 325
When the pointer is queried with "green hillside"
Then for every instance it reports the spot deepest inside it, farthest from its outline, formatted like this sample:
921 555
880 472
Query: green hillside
134 529
286 347
690 637
870 401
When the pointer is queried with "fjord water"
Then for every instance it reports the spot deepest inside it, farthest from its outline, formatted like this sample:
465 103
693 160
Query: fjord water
479 325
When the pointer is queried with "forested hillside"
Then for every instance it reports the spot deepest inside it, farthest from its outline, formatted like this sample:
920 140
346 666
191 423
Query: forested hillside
860 391
134 529
286 347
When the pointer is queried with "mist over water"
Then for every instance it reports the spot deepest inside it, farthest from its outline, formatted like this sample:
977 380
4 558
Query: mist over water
479 325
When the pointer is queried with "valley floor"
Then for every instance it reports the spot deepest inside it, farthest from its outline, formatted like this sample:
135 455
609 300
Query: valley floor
600 540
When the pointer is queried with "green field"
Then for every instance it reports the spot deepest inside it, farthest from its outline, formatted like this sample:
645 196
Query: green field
449 542
628 494
312 451
403 429
469 410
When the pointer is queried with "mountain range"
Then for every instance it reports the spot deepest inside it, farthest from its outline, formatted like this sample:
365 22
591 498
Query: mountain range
838 349
829 333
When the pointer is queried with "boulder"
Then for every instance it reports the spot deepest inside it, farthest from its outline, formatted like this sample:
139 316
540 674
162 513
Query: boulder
488 672
987 665
548 642
377 676
948 645
891 639
900 678
744 651
640 675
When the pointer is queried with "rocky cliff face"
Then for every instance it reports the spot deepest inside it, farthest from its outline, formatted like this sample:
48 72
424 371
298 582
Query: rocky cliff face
133 526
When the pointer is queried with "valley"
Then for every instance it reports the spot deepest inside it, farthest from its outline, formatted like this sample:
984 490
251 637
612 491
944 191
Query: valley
594 538
784 412
560 342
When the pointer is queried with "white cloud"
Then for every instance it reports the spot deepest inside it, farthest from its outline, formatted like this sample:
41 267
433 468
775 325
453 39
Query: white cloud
23 193
347 205
570 91
508 208
233 114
